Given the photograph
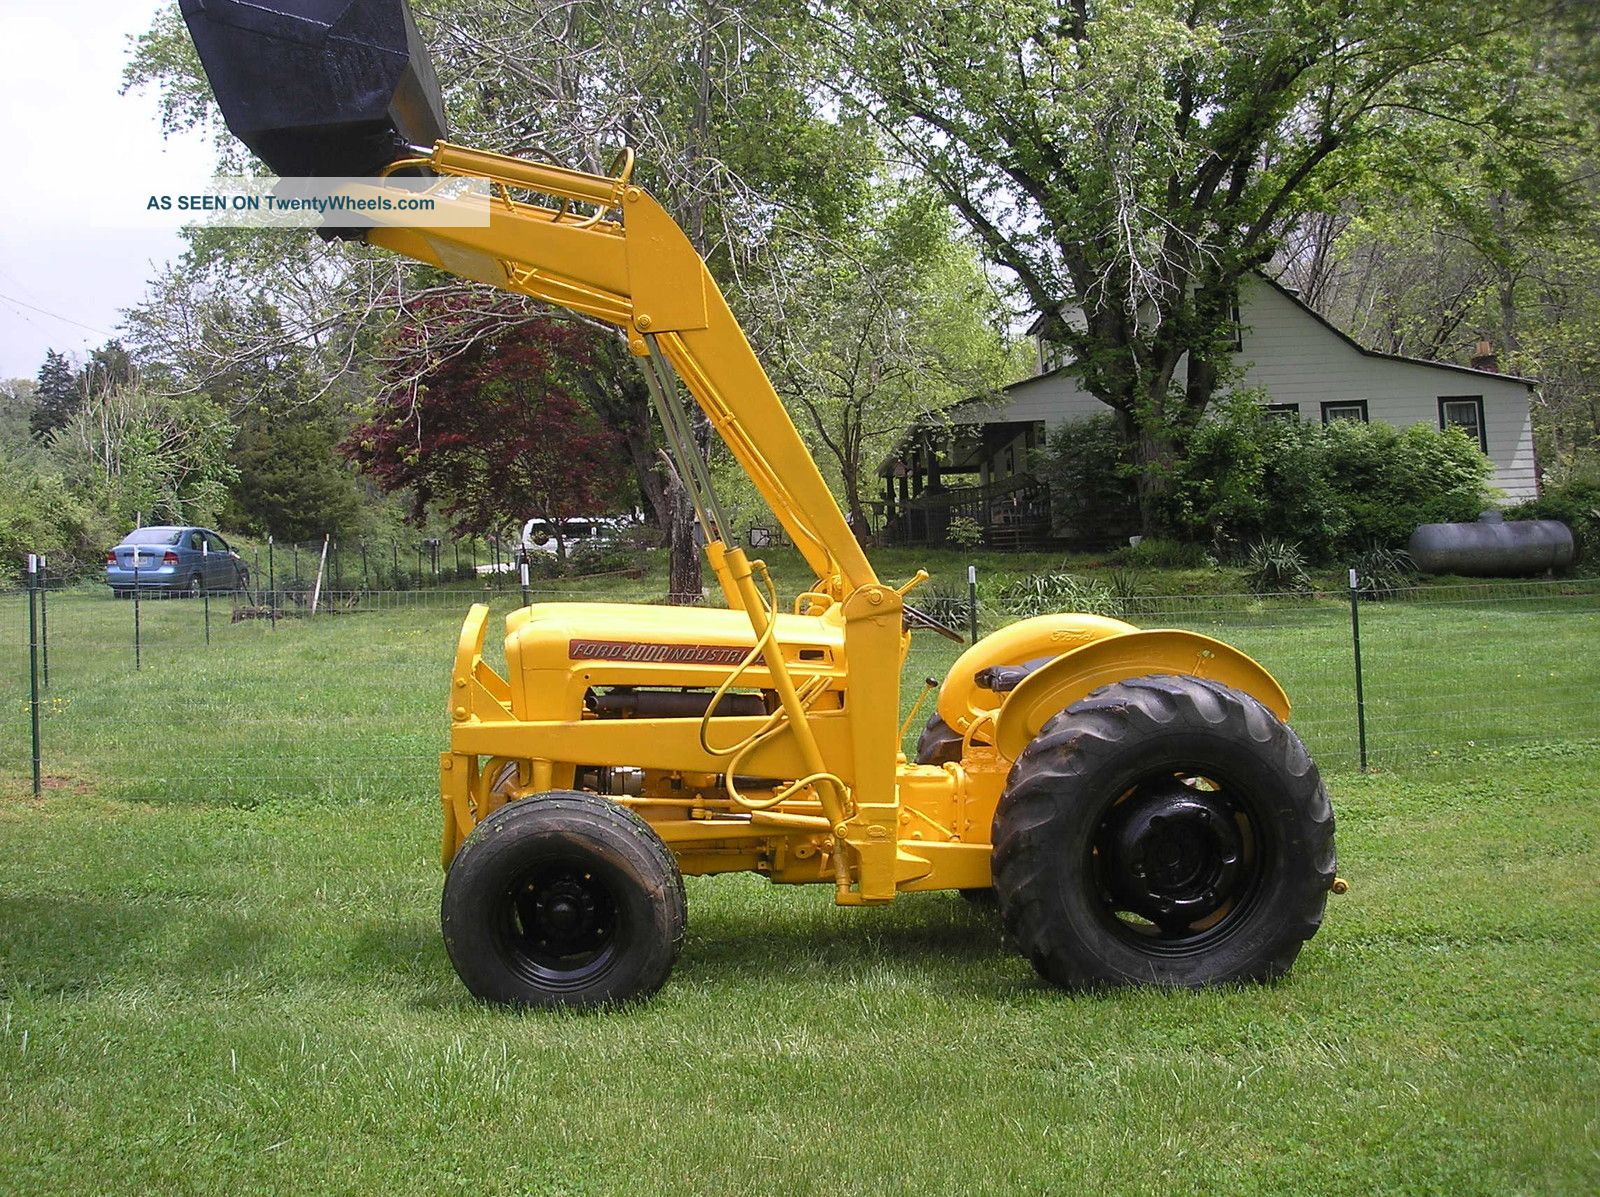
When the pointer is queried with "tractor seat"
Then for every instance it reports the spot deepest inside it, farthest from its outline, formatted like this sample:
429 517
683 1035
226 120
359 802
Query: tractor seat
1002 679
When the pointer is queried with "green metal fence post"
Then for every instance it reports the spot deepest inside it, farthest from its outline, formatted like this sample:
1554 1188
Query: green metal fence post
1361 698
138 656
205 586
972 604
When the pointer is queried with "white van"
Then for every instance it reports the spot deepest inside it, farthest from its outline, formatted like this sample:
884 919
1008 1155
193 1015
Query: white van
579 531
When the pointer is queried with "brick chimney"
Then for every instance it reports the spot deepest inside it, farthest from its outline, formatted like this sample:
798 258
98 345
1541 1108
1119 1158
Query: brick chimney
1483 357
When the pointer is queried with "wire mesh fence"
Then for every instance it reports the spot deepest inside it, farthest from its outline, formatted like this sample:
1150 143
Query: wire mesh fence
348 703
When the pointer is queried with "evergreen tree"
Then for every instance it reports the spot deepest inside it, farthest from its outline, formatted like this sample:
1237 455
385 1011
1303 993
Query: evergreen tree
56 397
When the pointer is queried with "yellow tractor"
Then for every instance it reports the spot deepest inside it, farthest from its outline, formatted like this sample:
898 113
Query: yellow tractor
1132 800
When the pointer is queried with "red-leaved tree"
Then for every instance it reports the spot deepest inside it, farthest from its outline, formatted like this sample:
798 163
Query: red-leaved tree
496 432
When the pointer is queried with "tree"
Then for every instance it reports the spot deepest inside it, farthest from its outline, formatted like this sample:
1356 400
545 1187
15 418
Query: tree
17 404
1128 162
132 452
498 433
56 396
1468 255
109 366
891 322
40 513
291 482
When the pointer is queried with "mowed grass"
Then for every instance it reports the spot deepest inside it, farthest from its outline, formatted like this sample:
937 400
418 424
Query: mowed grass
221 968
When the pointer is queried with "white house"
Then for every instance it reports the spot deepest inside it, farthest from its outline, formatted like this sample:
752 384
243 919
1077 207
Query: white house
1307 368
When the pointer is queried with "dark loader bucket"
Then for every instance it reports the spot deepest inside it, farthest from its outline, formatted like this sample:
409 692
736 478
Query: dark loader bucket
319 87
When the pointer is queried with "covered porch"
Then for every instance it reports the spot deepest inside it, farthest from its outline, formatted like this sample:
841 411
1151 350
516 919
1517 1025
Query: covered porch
939 473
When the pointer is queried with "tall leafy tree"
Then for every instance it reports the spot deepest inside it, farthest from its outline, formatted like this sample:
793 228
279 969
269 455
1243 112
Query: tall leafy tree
889 322
133 452
291 482
1128 161
1469 255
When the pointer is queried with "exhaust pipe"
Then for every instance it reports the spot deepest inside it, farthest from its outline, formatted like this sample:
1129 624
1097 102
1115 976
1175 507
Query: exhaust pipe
319 87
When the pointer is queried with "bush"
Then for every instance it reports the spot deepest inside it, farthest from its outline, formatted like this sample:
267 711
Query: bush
1332 490
1248 477
964 532
1276 567
1575 501
1090 473
1381 572
947 605
1046 594
1393 479
1158 552
40 514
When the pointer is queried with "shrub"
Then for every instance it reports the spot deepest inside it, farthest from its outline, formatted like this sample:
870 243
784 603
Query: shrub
947 605
1393 479
40 514
1575 501
1275 566
1248 477
965 532
1045 594
1381 572
1090 472
1332 490
1158 552
586 559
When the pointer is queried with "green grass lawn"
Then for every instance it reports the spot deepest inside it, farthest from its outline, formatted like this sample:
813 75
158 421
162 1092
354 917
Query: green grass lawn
220 968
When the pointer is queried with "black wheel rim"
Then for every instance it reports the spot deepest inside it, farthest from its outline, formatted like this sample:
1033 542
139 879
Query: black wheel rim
558 924
1178 862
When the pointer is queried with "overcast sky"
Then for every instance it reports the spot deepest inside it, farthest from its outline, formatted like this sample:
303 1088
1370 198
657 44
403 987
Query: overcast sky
79 160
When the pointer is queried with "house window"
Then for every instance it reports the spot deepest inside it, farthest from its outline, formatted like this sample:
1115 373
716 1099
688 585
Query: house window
1235 323
1345 409
1466 413
1282 411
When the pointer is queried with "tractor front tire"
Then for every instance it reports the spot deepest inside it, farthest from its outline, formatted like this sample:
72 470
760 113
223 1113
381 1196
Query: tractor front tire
1165 831
563 899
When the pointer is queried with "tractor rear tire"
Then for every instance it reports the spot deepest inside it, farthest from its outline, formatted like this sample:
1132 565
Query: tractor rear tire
1165 831
563 899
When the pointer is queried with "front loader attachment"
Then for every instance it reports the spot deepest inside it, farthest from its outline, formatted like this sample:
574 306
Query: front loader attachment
319 87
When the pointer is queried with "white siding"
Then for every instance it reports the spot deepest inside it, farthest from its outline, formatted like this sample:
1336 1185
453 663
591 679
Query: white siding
1054 398
1295 358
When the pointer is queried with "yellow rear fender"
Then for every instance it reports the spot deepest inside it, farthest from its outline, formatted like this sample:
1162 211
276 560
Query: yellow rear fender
1074 675
962 701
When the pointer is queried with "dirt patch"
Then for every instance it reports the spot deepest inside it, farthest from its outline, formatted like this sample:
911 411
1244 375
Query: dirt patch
18 794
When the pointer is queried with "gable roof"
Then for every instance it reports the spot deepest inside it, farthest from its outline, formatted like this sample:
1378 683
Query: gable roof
1305 307
1391 357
